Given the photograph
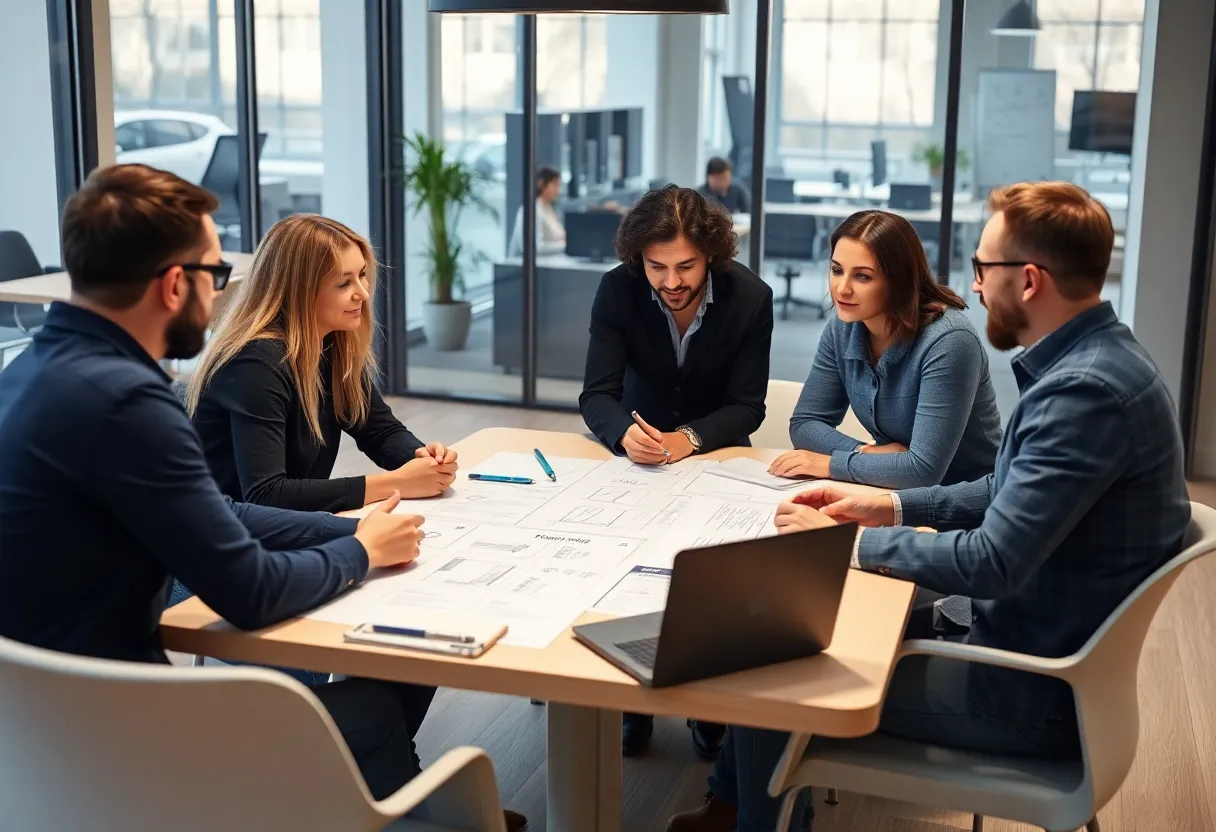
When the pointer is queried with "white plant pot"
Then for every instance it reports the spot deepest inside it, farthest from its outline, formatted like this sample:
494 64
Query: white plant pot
446 325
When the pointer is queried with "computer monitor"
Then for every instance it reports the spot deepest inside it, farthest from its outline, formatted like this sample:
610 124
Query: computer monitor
1102 122
592 234
878 161
910 197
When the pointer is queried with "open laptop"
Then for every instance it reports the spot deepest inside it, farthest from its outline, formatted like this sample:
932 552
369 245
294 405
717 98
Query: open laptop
734 607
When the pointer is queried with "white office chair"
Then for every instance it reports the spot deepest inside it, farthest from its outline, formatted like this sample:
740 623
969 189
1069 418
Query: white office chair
1058 796
91 744
779 404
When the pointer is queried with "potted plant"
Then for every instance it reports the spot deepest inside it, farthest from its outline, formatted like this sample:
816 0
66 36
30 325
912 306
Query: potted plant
935 159
442 187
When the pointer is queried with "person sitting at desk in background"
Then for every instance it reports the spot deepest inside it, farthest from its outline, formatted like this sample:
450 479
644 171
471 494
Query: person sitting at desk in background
290 366
550 233
89 427
902 353
720 190
1088 499
680 335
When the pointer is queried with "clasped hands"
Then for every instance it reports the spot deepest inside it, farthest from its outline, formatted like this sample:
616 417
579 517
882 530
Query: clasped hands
646 444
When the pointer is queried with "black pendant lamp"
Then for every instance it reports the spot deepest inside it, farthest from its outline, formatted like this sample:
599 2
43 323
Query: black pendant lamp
1019 20
582 6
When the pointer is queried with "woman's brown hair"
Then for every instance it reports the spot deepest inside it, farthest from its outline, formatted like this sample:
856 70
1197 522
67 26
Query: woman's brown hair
915 298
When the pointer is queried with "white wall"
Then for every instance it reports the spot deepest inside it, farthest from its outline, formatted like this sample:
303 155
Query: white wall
634 56
1164 191
29 200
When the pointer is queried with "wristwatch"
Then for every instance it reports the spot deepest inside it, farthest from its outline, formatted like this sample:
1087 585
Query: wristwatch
693 437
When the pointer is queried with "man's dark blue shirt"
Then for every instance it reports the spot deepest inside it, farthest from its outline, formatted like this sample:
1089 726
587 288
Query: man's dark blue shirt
105 494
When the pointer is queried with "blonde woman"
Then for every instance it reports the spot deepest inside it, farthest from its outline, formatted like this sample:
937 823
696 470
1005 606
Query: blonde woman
290 367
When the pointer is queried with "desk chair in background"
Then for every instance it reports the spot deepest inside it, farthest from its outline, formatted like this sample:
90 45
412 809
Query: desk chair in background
17 260
91 743
1056 795
790 239
223 178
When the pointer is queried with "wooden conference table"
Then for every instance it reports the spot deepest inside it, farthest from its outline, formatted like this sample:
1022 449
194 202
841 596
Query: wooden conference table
838 693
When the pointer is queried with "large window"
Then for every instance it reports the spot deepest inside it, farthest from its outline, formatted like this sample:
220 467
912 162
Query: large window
1092 45
849 64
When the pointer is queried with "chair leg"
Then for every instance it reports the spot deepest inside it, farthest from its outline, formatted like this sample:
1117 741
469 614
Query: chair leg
833 798
977 823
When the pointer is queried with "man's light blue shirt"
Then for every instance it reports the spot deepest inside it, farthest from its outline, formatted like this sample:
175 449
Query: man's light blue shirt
680 345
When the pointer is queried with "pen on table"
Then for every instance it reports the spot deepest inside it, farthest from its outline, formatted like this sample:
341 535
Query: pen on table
497 478
642 425
544 464
413 632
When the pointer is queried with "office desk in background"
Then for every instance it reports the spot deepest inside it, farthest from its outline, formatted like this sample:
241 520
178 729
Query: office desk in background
838 693
48 288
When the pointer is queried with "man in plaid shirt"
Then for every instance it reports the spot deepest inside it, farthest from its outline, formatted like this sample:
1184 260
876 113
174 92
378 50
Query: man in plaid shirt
1087 500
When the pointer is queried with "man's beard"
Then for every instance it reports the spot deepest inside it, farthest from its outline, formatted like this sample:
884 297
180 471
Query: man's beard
1005 323
687 299
187 332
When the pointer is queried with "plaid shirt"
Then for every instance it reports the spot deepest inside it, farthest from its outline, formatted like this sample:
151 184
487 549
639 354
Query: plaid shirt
1088 498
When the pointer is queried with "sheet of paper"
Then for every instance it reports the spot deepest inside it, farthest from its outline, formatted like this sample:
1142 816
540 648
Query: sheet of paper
712 522
569 470
755 472
641 590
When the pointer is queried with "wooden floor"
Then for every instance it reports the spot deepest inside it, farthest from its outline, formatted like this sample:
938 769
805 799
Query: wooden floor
1171 788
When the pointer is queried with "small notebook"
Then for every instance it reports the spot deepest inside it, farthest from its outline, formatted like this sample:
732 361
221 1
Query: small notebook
432 632
756 473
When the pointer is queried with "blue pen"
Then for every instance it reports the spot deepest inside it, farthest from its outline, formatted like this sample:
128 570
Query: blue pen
544 463
496 478
413 632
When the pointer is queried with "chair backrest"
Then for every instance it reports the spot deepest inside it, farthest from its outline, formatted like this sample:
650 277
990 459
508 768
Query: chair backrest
790 236
779 404
1104 671
91 744
223 177
17 258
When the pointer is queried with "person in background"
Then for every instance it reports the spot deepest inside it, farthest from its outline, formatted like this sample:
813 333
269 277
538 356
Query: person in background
903 355
720 190
680 336
1087 500
290 367
550 233
90 428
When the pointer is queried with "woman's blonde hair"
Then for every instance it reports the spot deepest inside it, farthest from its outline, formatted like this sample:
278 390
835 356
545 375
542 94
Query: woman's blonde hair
277 298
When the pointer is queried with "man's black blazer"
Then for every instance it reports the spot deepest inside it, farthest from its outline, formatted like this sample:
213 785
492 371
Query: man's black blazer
631 361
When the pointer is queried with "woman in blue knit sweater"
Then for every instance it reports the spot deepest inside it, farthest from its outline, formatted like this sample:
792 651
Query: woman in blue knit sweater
904 356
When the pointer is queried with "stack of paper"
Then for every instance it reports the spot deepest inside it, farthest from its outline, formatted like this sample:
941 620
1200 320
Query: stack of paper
756 473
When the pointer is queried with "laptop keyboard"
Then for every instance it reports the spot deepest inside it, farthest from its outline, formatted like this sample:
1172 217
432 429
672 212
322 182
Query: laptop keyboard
641 650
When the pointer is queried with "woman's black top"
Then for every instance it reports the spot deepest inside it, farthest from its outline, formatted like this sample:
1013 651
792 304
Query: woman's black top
259 445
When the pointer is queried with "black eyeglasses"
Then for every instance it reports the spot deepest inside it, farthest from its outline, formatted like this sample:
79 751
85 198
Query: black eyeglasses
220 272
978 266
